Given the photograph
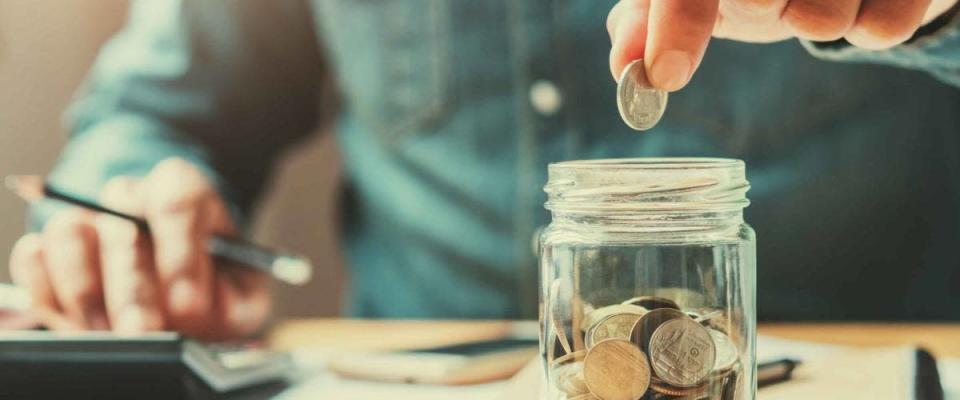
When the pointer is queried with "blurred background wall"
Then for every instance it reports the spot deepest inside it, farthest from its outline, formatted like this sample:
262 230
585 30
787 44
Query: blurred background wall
46 47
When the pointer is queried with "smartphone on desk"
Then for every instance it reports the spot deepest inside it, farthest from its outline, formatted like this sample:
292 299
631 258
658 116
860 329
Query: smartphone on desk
460 364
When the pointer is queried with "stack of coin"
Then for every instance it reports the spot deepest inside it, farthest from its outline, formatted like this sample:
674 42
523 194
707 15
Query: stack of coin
649 348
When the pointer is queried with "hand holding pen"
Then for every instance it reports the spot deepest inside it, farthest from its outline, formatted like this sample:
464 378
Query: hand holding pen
99 267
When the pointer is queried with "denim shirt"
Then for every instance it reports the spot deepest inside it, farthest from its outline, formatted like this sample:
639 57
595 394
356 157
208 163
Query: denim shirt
449 112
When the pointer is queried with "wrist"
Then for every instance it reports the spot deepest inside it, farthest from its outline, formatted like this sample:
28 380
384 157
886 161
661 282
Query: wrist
946 9
941 16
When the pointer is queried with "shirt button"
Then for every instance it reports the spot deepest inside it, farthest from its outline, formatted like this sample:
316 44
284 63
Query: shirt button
545 97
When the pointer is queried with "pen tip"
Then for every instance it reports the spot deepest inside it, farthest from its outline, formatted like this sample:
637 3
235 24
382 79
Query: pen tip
292 270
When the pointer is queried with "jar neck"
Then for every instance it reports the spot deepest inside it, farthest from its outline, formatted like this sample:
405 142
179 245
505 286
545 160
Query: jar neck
649 222
648 195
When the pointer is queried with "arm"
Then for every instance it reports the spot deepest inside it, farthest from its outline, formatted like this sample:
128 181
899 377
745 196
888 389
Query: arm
935 48
225 85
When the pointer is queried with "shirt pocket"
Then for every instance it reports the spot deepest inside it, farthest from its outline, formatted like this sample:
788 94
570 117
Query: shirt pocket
393 60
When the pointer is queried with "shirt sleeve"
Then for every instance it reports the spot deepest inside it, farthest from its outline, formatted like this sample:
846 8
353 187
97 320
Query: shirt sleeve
935 48
225 84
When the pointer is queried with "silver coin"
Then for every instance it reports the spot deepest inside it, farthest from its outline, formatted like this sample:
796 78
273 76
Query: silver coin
726 351
682 352
616 326
648 323
704 318
594 317
652 302
733 386
641 105
569 378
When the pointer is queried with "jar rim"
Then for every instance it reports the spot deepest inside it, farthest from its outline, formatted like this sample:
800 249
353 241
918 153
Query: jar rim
653 163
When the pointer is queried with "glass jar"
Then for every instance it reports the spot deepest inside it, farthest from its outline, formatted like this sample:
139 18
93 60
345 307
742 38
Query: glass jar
648 287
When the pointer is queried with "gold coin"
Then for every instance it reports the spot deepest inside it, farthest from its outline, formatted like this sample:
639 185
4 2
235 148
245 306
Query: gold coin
615 369
652 302
668 390
682 352
660 396
649 322
585 396
616 326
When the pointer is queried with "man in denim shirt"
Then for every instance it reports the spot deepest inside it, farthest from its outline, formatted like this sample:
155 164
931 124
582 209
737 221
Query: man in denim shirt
451 111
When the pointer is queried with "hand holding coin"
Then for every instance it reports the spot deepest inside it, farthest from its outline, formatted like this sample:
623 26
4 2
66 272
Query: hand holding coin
673 35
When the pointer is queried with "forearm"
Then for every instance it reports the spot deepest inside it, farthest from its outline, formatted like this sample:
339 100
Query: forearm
935 49
210 82
123 145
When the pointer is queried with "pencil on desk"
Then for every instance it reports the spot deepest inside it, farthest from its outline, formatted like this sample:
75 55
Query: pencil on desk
287 268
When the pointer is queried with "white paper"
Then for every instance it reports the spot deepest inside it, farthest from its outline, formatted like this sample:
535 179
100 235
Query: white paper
950 378
317 383
327 386
320 384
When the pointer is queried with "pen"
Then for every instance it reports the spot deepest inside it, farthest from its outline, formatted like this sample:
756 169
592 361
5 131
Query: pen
776 371
289 268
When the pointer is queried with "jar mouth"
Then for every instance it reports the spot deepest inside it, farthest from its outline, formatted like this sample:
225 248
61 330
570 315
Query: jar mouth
647 185
653 163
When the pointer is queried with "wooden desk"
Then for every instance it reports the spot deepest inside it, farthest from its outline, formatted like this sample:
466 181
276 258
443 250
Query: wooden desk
941 339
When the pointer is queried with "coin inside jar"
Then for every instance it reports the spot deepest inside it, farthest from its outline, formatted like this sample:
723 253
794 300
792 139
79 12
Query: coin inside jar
616 326
726 351
557 317
648 323
652 302
668 390
595 316
615 369
585 396
641 105
575 356
682 352
733 385
705 318
568 378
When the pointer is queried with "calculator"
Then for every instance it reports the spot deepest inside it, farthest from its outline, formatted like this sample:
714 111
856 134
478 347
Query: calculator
161 365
